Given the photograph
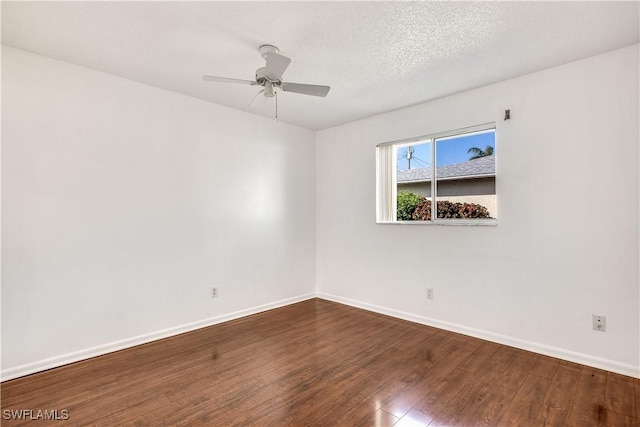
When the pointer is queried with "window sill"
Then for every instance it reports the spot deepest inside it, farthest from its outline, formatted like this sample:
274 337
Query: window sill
451 222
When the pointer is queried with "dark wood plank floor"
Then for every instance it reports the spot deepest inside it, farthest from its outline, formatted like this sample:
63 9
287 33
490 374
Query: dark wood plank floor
318 363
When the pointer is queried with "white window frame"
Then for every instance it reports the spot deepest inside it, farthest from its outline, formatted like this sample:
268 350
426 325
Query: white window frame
387 185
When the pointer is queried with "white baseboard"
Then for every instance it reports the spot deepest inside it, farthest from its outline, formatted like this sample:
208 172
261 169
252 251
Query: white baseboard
560 353
65 359
584 359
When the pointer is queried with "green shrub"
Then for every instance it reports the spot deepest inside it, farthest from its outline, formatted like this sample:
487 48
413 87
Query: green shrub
447 209
407 202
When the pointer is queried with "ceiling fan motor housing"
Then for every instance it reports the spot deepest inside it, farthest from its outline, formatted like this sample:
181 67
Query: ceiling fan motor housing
263 80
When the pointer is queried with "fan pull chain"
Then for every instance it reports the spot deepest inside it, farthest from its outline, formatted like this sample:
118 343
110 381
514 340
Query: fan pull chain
276 93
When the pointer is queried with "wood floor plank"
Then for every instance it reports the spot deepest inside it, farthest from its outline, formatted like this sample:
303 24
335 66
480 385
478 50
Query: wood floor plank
501 360
514 374
378 418
320 363
488 408
589 407
439 376
528 403
618 394
544 366
453 412
437 397
414 418
636 389
480 357
560 396
479 402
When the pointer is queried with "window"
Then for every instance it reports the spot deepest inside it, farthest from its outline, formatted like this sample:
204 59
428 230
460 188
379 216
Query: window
446 178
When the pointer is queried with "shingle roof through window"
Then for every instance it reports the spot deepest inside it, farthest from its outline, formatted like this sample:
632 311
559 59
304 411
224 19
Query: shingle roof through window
481 167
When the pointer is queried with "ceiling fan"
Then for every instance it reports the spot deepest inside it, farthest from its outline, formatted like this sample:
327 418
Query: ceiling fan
270 77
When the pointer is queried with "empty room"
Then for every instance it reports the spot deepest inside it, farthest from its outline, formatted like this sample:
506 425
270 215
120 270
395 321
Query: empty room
320 213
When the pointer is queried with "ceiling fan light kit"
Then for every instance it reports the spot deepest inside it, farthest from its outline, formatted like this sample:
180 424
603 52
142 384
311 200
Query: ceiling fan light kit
270 76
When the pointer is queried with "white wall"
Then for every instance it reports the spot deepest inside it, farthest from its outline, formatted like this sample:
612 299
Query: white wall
123 204
566 244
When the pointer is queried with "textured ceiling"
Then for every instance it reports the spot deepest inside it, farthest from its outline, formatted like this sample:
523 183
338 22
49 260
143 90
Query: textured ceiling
376 56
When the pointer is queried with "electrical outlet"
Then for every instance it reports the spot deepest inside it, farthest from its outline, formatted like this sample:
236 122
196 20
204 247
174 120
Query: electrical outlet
214 292
599 323
429 293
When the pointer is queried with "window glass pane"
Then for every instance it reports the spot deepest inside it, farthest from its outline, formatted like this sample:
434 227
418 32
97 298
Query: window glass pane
413 188
466 176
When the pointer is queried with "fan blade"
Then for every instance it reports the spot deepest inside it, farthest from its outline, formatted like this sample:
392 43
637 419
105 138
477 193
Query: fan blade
276 66
228 80
314 90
